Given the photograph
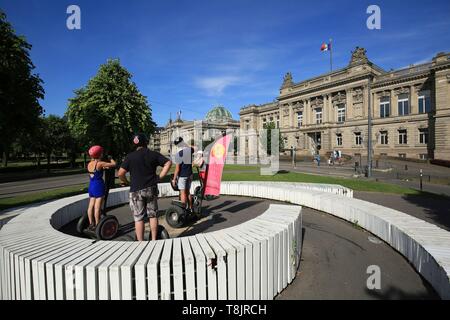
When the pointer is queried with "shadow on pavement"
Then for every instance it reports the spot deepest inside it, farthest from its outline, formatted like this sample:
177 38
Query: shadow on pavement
394 293
435 207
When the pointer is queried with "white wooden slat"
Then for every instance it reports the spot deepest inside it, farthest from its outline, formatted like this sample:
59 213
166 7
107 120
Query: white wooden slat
31 262
248 271
165 269
256 243
69 271
264 261
287 224
46 280
283 256
200 267
140 272
126 270
221 266
105 286
115 272
86 278
177 267
210 268
24 283
189 268
55 284
153 271
231 261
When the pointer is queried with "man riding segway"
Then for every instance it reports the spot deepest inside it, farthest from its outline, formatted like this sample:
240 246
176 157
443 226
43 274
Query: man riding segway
142 164
183 174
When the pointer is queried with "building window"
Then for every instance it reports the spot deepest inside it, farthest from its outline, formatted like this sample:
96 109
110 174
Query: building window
424 102
423 136
341 113
384 139
319 116
403 104
385 107
339 139
300 119
402 137
358 138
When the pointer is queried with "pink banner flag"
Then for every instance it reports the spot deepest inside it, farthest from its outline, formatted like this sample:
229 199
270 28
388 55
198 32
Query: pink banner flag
217 158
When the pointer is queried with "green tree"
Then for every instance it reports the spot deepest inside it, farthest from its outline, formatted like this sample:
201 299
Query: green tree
20 89
56 136
269 127
109 110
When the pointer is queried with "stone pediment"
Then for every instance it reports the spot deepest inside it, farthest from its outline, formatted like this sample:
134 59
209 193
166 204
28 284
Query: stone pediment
403 90
339 98
317 102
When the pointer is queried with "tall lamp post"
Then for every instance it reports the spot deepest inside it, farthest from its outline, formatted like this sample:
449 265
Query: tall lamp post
369 130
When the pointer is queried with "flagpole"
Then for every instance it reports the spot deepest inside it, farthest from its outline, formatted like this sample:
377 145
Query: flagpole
331 54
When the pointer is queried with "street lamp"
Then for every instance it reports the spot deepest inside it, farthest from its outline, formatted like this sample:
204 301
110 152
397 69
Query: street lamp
369 130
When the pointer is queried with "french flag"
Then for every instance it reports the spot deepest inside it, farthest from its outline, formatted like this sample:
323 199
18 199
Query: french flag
325 47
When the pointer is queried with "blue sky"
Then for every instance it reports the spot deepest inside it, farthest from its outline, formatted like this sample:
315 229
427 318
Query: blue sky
192 55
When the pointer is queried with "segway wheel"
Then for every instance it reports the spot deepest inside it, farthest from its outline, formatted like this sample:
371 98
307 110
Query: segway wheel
175 216
107 228
162 233
83 223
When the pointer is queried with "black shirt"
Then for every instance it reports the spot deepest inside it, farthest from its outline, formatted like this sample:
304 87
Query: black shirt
184 158
142 164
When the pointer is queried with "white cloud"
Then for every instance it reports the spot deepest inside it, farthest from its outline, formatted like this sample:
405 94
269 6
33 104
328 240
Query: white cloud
215 86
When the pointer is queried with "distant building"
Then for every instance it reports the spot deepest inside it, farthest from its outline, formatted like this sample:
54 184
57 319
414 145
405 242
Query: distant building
410 110
155 140
218 119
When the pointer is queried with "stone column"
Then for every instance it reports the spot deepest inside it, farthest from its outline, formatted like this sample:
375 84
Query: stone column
413 100
348 104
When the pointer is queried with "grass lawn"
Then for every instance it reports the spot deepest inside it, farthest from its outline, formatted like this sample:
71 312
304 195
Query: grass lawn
18 201
355 184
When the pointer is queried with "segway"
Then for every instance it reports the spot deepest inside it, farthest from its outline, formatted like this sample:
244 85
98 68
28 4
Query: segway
177 214
108 226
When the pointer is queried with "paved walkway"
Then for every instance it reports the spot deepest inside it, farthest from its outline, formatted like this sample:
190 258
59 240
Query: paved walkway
435 210
335 255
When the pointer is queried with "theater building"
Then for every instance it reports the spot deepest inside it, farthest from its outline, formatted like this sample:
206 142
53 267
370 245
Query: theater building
410 110
217 119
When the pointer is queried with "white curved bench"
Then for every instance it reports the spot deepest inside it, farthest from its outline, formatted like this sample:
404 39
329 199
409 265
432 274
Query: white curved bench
254 260
426 246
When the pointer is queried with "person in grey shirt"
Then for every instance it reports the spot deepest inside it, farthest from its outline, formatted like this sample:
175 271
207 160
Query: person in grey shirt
183 171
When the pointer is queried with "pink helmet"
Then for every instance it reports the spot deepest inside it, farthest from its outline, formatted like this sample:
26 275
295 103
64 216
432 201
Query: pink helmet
95 152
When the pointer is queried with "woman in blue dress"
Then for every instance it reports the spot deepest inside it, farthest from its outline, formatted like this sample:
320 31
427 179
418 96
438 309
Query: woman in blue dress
96 184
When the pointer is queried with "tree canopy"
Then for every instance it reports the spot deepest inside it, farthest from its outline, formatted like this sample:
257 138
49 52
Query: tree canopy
20 89
109 110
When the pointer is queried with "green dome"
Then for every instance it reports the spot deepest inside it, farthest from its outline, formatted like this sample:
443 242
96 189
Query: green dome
218 114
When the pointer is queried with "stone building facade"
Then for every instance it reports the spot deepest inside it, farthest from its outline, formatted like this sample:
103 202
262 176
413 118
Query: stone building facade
410 110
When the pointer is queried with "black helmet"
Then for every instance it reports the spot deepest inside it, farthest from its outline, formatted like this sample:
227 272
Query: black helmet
178 141
140 140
